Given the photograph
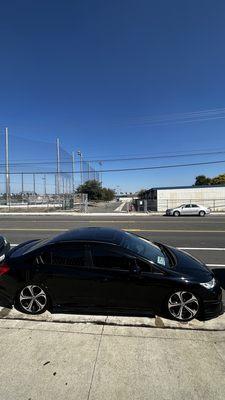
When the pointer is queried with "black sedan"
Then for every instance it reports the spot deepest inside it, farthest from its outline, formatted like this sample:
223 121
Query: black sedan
106 271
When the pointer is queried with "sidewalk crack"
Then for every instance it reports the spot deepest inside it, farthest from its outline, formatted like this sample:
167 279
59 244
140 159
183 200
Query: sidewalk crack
96 358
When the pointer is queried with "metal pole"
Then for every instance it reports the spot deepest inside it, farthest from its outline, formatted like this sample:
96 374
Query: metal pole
58 166
81 166
22 187
63 183
88 165
73 171
34 189
7 181
100 173
45 184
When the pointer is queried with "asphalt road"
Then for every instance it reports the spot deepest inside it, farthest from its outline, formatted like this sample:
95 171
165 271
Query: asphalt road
191 233
204 238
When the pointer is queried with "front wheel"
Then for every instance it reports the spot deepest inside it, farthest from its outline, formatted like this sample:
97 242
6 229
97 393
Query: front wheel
32 299
183 306
202 213
176 213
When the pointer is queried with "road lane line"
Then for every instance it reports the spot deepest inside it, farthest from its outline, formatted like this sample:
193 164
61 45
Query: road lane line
203 248
215 265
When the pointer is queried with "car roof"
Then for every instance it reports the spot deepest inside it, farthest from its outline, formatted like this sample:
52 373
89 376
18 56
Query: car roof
99 234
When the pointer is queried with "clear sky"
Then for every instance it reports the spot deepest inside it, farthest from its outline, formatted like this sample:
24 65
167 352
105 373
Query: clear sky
116 78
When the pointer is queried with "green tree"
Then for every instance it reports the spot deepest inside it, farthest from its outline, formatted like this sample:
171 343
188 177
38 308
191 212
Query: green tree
218 180
107 194
95 191
202 180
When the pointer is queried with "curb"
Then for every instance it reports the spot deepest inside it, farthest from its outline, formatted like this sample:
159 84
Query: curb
214 325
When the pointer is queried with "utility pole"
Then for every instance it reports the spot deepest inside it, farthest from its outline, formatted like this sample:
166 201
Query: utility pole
63 186
81 166
7 180
34 189
88 165
22 185
100 172
58 165
73 172
44 182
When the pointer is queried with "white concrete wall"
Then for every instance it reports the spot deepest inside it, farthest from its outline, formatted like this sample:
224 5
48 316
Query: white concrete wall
213 197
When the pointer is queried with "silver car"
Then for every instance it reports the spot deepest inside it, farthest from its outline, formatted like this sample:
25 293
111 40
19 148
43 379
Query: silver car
188 209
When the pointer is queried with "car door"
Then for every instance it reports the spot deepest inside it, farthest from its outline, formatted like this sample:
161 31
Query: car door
186 209
124 286
195 209
65 270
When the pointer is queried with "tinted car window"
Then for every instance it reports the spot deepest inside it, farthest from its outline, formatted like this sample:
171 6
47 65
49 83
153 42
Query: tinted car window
64 255
108 258
194 206
147 267
145 249
188 206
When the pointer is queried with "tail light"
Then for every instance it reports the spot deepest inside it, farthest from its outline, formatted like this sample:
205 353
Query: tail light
4 268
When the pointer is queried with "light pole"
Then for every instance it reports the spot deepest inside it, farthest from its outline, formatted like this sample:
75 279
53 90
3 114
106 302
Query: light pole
7 178
73 172
44 182
58 165
81 166
100 173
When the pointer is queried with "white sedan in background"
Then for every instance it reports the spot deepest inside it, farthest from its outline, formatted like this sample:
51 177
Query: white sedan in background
188 209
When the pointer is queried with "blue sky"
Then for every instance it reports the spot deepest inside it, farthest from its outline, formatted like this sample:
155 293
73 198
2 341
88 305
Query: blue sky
98 74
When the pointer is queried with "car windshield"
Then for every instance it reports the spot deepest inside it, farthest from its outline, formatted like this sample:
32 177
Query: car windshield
144 248
182 205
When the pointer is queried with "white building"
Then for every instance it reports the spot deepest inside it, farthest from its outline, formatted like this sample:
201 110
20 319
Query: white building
161 198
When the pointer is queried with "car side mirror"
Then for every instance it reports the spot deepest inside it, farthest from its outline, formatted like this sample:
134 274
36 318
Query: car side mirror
134 267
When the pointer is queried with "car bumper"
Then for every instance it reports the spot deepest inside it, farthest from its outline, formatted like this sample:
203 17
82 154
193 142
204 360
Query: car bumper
169 212
212 308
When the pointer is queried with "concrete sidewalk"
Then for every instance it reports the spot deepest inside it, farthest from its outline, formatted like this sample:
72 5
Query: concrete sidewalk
93 358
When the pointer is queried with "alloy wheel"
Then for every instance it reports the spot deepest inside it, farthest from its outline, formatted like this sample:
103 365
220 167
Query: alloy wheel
183 305
33 299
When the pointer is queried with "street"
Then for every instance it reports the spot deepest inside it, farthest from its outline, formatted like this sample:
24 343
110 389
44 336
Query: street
98 357
202 237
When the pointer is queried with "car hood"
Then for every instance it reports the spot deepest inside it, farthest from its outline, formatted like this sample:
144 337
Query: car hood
189 266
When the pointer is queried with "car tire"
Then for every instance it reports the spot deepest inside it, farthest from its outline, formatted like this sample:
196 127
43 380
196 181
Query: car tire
201 213
176 213
182 306
32 299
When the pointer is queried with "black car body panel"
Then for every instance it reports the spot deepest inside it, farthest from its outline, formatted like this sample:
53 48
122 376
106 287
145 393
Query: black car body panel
126 283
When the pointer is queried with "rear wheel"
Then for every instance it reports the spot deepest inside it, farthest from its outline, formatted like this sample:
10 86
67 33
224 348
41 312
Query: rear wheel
183 306
202 213
32 299
176 213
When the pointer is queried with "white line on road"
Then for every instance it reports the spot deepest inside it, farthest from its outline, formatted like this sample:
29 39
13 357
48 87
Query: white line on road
203 248
215 265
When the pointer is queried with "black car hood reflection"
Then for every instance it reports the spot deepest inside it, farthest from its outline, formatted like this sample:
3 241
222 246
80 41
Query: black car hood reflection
189 266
